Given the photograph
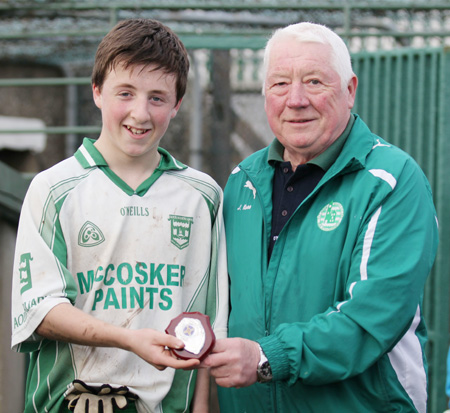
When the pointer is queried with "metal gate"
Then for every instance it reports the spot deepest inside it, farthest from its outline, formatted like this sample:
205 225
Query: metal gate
404 96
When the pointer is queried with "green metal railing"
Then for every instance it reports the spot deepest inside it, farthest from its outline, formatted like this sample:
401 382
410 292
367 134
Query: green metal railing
404 97
349 19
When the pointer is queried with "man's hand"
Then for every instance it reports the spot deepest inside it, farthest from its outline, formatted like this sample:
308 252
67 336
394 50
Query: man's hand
233 362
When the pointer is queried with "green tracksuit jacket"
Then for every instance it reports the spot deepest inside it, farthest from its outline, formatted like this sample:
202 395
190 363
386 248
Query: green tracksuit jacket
337 310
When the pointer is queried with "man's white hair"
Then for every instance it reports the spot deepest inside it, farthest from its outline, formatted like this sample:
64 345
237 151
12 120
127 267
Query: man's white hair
316 33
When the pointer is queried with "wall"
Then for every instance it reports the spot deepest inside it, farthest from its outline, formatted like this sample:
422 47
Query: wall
46 103
12 364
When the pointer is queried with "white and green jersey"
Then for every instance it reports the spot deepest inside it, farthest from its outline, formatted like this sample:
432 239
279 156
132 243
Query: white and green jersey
135 259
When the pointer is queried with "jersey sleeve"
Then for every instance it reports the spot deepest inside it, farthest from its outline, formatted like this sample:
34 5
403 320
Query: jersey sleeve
390 262
40 277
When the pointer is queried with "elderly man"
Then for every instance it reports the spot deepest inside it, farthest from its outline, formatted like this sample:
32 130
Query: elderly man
331 233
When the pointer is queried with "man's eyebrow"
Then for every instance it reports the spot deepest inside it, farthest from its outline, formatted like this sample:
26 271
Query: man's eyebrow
277 74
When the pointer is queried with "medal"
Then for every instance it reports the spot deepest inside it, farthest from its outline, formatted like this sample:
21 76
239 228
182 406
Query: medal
194 329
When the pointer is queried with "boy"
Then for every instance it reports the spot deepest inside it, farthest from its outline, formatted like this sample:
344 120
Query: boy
115 242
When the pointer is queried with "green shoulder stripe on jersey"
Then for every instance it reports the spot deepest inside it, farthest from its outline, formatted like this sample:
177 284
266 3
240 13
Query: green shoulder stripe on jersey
50 229
53 203
209 192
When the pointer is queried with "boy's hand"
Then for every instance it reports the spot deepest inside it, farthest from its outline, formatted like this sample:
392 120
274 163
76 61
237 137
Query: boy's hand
151 345
154 347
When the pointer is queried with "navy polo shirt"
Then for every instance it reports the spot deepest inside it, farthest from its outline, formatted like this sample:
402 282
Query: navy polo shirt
290 187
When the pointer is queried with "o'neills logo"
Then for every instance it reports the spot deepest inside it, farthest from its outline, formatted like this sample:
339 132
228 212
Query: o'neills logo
90 235
180 230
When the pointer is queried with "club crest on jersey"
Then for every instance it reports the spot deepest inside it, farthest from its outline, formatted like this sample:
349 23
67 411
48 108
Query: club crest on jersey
25 272
330 216
90 235
180 230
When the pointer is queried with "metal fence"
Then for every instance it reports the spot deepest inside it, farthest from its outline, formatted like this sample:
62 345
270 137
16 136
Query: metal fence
404 96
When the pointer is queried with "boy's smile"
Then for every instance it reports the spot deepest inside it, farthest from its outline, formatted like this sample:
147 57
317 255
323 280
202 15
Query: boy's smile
137 105
137 131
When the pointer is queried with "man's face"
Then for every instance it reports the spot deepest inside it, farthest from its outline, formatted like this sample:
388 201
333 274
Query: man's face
137 105
306 107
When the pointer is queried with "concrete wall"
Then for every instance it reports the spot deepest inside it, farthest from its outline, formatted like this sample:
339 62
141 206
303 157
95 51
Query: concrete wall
12 364
46 103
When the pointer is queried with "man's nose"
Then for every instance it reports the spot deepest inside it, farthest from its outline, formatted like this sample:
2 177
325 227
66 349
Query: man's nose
297 97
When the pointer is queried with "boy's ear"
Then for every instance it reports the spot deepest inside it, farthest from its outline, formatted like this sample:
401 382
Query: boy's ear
175 109
97 94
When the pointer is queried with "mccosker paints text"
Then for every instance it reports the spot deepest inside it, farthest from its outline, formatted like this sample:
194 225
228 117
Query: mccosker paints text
155 285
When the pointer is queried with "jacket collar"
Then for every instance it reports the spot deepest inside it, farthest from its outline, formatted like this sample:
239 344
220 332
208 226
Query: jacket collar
356 149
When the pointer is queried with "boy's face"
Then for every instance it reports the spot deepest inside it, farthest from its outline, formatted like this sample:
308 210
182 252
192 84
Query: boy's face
137 106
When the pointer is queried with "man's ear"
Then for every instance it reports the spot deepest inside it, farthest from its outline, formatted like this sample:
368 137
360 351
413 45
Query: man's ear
351 88
97 94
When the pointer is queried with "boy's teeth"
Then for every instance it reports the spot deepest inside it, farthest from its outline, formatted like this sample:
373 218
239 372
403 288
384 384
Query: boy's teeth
136 131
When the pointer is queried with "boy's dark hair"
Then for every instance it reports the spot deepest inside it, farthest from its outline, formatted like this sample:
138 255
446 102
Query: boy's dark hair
142 41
